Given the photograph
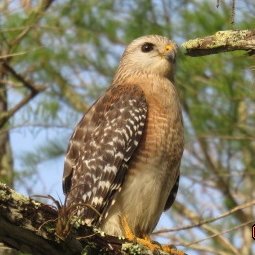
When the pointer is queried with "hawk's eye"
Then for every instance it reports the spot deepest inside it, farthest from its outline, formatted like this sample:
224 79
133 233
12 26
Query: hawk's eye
147 47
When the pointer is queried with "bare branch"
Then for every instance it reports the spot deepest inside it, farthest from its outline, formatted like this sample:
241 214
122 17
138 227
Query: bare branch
34 90
13 55
222 233
193 217
204 248
27 83
237 208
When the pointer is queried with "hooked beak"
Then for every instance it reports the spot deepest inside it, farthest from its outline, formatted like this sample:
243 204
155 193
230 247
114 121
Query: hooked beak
170 52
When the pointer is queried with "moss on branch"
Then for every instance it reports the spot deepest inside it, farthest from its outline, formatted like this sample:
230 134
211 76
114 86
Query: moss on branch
29 226
221 41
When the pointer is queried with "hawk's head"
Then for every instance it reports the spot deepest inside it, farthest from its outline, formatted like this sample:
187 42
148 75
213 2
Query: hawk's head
150 54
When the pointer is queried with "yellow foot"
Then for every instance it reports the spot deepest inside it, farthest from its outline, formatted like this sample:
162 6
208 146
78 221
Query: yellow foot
169 249
150 244
128 233
146 241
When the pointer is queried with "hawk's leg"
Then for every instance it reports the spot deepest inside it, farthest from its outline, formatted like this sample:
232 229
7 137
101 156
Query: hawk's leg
146 241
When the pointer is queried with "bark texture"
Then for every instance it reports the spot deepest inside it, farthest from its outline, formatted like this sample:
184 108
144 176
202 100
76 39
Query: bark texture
30 226
221 41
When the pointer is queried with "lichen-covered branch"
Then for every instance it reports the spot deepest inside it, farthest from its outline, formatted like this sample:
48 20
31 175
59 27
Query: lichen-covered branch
222 41
20 219
29 226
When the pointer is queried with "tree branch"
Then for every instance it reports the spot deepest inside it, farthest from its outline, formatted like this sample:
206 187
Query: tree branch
193 217
20 220
207 221
249 222
221 41
29 226
34 91
32 20
27 83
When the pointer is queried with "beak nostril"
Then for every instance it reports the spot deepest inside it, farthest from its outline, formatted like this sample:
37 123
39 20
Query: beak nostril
168 47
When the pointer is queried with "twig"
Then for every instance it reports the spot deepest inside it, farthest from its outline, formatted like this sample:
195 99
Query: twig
34 90
199 247
27 83
237 208
222 233
223 243
228 137
37 14
233 11
221 182
12 55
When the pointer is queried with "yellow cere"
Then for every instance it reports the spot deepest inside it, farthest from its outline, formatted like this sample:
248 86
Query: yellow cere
169 47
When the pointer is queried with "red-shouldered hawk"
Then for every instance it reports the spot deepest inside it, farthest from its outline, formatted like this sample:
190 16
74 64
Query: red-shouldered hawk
124 156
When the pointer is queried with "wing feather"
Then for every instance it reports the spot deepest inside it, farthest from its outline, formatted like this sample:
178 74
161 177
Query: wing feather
100 149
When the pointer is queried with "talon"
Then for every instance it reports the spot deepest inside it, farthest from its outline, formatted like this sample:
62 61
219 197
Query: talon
150 244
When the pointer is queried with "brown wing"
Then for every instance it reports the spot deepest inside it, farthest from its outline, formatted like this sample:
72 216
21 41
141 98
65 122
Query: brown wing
100 148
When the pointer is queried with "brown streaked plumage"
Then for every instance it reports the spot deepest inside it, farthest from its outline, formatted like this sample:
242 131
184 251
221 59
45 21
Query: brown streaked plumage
124 156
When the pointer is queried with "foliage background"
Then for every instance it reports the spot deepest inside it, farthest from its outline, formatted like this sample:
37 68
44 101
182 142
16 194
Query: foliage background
70 51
